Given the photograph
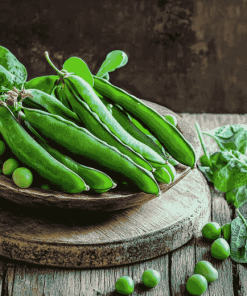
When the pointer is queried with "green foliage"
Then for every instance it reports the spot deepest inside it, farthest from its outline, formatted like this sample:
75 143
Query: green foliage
12 72
115 59
230 137
78 67
238 240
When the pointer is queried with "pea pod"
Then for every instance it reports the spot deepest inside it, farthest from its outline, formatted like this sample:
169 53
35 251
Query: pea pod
43 83
42 101
25 148
92 123
84 147
96 180
162 175
61 96
82 91
169 136
135 128
124 120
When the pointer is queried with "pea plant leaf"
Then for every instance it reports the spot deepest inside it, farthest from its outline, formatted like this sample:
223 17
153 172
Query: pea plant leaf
230 137
12 72
115 59
43 83
80 68
237 196
233 175
206 172
238 241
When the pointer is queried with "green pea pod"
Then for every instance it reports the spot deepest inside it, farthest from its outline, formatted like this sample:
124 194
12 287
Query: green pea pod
169 136
162 175
124 120
171 170
133 127
94 125
61 96
79 144
43 83
171 118
45 102
96 180
25 148
231 176
83 92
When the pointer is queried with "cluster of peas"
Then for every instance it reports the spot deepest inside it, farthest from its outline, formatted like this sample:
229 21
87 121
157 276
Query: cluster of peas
21 176
204 272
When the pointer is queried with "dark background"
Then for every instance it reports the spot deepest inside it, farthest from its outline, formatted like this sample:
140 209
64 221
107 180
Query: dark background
189 55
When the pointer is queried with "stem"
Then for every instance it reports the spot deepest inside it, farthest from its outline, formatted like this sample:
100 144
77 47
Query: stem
217 141
59 73
202 143
241 216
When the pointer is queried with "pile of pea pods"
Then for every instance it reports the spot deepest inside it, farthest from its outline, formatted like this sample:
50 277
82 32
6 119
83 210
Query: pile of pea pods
79 132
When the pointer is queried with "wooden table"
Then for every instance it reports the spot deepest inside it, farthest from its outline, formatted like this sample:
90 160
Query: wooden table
175 267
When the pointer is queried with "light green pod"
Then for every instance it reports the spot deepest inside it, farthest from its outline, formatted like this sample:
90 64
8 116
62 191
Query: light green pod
82 91
95 179
81 145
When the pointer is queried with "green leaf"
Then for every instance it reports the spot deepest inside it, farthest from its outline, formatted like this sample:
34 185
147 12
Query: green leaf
233 175
237 196
79 68
10 63
8 80
115 59
230 137
206 172
238 241
43 83
204 160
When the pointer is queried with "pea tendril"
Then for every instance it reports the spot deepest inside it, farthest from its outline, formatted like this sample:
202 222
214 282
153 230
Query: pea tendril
203 144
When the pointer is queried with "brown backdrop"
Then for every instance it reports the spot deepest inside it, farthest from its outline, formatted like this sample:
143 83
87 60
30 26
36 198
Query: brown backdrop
190 56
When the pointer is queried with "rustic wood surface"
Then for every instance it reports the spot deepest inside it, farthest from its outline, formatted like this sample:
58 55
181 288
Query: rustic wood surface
175 267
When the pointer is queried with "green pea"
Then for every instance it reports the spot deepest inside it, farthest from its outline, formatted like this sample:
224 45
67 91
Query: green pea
9 166
22 177
125 285
206 269
150 278
2 147
196 284
211 230
220 249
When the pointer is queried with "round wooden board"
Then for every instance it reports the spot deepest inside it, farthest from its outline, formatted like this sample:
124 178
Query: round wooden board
74 238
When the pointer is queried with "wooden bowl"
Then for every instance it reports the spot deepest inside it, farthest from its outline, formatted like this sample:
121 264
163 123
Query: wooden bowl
110 201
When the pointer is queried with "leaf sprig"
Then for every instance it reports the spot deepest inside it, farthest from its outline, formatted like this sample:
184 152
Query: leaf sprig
227 170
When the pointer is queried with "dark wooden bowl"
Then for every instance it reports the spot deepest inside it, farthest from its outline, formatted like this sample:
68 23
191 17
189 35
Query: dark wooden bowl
110 201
